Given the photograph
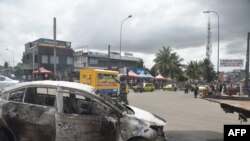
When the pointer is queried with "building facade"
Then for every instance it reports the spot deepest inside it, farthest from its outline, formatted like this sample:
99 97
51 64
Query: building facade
100 60
42 52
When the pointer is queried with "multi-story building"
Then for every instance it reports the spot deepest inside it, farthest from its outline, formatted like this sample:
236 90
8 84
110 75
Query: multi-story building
104 60
42 50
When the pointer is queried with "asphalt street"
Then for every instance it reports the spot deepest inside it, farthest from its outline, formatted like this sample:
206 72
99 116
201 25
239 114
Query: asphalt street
188 118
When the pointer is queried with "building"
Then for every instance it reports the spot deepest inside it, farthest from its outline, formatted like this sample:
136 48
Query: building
104 60
42 50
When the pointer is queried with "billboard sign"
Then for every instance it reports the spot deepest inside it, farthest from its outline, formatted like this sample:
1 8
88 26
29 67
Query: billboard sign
231 62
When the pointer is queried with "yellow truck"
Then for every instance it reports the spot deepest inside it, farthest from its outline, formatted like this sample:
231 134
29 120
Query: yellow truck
103 80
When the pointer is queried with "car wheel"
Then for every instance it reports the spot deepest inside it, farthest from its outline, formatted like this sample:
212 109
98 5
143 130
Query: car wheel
3 136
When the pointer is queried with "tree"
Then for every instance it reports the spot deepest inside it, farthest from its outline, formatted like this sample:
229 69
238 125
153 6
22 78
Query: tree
182 77
6 65
193 70
203 69
208 72
140 64
167 62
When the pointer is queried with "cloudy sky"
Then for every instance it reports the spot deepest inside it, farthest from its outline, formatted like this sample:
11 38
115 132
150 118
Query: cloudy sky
180 24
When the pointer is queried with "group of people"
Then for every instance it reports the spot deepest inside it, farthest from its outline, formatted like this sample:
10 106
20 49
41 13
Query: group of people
213 89
223 88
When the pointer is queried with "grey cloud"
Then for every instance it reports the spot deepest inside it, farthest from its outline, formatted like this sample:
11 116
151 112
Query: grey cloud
176 23
236 47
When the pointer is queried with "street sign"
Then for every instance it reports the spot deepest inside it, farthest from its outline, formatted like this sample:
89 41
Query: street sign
231 62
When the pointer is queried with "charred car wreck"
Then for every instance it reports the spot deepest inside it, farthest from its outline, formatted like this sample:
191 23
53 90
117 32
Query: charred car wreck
68 111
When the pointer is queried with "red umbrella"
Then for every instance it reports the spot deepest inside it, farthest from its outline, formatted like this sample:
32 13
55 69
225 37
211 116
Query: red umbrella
42 70
160 77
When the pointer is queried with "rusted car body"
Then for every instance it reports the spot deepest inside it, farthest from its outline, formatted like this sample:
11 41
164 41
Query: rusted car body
69 111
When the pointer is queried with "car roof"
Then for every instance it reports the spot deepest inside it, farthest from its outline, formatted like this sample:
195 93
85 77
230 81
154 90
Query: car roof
50 83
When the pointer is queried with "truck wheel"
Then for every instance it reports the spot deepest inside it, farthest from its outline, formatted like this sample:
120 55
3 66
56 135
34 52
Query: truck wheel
3 136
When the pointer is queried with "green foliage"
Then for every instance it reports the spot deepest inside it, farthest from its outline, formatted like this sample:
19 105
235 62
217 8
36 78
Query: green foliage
193 70
182 77
6 65
200 70
140 64
167 62
208 72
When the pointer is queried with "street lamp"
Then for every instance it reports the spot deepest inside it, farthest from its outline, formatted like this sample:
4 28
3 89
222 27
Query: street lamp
218 40
12 56
121 39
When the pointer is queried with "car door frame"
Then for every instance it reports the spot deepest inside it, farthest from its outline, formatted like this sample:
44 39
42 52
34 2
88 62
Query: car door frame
68 129
22 118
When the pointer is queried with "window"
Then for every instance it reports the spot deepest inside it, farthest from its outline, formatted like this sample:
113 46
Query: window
17 95
69 61
52 60
70 102
40 96
75 103
36 58
45 59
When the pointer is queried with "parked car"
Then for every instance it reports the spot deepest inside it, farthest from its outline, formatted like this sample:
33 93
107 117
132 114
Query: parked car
69 111
138 88
144 87
148 87
169 87
6 81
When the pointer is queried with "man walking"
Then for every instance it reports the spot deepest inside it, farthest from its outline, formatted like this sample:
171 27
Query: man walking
196 88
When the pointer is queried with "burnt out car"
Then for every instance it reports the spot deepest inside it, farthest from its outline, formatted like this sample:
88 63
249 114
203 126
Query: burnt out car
69 111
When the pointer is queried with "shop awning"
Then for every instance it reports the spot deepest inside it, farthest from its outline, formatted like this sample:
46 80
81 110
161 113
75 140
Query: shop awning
149 76
132 74
142 75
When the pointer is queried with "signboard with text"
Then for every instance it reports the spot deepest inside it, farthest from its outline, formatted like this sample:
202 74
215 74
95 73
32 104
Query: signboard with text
231 62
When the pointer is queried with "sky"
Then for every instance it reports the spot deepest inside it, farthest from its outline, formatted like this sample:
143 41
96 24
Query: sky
179 24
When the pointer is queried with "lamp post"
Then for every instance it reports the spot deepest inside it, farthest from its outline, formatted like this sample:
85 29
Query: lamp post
218 58
12 56
121 39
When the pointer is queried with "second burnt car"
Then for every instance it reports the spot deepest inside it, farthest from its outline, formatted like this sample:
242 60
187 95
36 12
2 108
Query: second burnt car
69 111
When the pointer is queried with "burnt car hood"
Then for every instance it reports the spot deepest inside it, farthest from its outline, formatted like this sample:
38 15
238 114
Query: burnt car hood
147 117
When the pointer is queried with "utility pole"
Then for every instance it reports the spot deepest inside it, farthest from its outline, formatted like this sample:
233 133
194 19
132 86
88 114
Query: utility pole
247 66
55 59
109 57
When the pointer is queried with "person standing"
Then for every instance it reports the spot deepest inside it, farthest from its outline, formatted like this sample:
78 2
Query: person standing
123 89
196 89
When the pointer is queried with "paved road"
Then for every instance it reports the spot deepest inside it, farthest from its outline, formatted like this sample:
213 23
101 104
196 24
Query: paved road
188 119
